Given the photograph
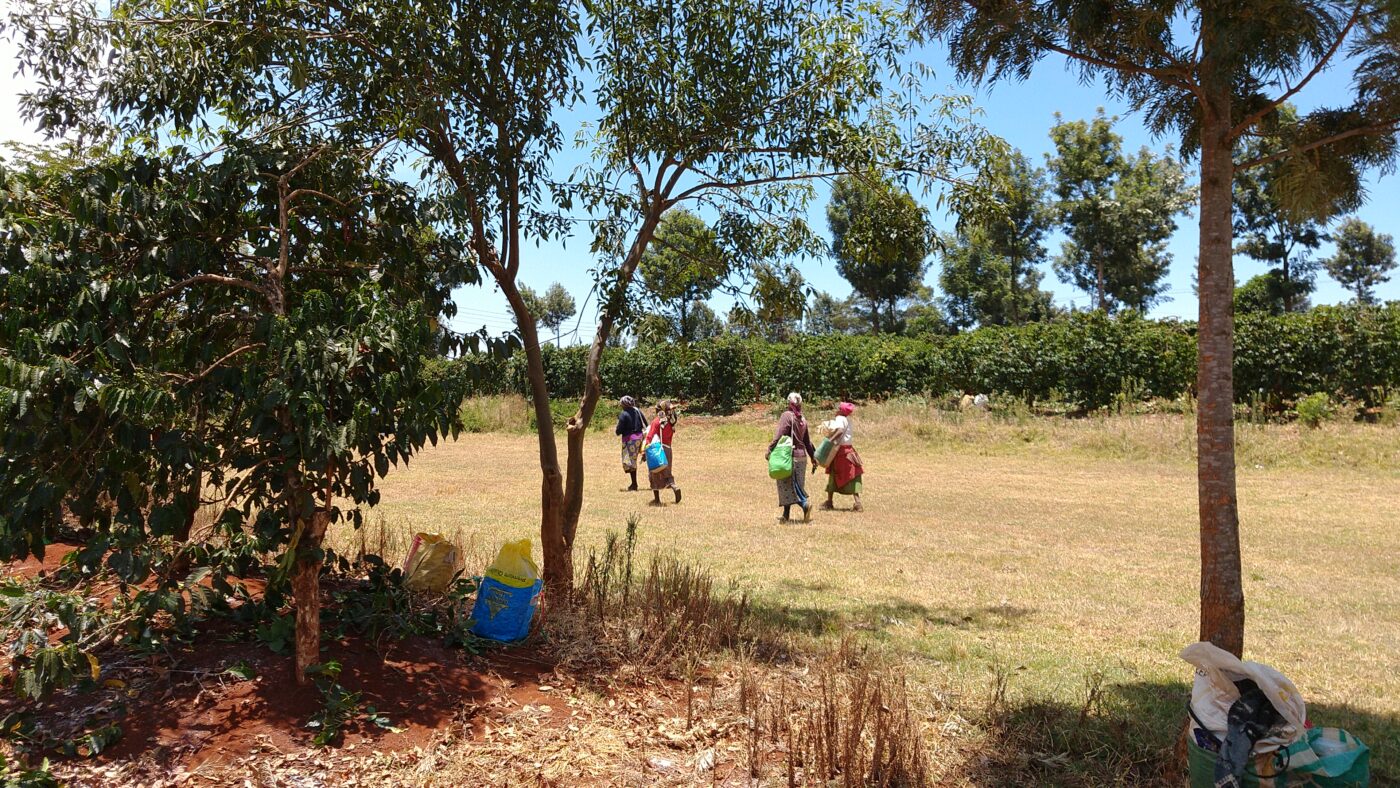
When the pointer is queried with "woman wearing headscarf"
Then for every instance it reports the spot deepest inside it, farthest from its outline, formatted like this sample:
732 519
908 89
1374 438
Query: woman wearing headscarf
631 424
793 490
844 471
664 425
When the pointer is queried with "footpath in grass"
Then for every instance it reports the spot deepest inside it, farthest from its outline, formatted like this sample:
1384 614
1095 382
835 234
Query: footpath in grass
1037 575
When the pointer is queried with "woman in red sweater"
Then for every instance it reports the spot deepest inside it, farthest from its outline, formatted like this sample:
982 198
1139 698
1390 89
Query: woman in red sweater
664 425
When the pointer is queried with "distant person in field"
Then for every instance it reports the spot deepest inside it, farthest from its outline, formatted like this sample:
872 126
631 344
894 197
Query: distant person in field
844 470
792 491
631 425
664 425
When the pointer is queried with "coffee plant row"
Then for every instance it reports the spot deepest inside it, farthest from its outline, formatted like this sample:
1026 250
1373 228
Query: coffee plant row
1089 361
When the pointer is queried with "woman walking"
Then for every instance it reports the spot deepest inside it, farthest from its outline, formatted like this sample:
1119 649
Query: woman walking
664 425
631 424
844 472
793 490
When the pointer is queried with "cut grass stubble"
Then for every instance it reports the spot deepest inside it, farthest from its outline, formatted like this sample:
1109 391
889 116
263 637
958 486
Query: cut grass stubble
1004 563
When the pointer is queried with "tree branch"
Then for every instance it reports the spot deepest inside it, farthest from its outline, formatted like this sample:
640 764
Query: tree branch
1360 131
291 198
1177 75
226 357
1317 68
745 184
197 280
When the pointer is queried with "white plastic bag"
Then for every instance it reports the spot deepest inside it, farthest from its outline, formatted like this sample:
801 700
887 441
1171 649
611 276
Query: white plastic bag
1214 692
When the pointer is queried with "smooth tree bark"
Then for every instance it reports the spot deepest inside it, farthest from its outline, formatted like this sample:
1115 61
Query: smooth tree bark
556 541
593 382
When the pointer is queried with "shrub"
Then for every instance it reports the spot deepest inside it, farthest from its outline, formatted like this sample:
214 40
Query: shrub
1314 409
1089 360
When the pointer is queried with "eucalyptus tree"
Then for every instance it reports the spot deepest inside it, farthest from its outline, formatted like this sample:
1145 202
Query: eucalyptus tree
826 314
1278 228
774 305
254 334
977 283
1363 260
1215 72
1118 211
738 106
735 103
990 265
881 239
1016 232
552 309
680 271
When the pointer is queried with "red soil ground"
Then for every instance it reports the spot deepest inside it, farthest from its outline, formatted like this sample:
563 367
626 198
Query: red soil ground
182 712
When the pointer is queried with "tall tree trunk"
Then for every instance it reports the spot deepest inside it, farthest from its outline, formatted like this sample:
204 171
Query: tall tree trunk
555 548
1098 278
593 383
1014 313
306 592
1222 594
188 500
1288 299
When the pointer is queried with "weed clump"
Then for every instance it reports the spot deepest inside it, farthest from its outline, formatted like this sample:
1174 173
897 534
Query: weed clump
1314 409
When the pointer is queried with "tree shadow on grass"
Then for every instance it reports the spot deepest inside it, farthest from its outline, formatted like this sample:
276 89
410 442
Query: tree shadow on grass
1129 734
885 617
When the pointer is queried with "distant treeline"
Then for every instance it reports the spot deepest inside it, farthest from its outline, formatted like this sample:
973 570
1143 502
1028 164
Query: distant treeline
1088 360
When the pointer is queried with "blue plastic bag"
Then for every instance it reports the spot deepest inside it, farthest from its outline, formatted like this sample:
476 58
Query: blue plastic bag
656 456
504 612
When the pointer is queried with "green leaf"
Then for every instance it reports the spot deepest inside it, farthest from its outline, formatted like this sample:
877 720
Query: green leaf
241 670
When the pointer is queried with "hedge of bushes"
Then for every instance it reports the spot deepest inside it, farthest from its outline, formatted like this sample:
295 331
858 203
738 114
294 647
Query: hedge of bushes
1088 360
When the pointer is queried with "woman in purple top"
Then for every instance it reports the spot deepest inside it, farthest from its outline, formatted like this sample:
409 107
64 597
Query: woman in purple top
631 423
793 489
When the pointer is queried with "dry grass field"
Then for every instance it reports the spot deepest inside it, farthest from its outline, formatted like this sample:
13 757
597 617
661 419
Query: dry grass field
1025 571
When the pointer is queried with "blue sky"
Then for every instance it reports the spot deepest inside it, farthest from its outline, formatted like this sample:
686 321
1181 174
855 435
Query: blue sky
1021 113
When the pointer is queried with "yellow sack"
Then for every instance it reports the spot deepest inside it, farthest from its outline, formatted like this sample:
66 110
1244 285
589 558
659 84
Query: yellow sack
431 563
514 567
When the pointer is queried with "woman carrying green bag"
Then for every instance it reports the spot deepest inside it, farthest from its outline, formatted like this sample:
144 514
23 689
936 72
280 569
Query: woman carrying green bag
792 487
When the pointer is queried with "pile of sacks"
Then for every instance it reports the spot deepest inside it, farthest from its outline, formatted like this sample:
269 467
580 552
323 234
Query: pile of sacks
1250 729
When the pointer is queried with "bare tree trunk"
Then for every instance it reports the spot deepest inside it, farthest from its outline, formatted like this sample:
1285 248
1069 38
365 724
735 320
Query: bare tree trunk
306 593
557 551
189 504
1098 273
1288 299
593 383
1014 314
194 492
1222 594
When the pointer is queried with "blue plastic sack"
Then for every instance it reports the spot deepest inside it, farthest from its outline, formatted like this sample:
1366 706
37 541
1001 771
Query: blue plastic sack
656 457
504 612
